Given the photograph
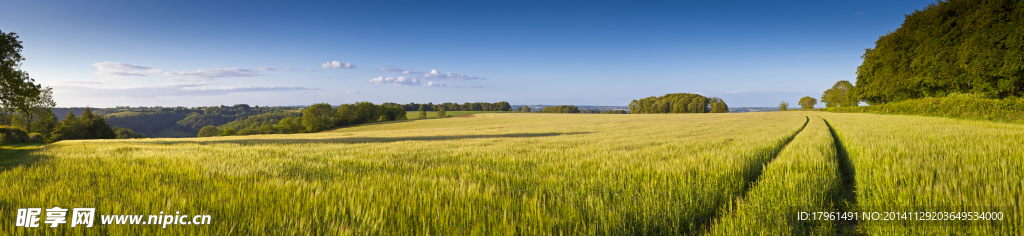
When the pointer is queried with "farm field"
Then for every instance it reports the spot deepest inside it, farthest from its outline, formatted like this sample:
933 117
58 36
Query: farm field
533 173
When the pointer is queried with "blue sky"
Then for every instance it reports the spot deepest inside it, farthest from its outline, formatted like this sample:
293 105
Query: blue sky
197 53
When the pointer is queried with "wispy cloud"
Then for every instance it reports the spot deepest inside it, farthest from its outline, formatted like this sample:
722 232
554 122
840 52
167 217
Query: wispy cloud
435 84
213 73
397 70
859 13
353 92
108 68
171 90
336 65
448 76
322 78
395 81
293 69
80 82
309 94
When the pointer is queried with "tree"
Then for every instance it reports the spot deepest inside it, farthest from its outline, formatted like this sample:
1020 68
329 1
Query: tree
561 109
346 114
227 132
208 131
840 95
807 103
441 113
39 109
718 105
291 125
519 109
16 87
123 133
783 106
527 109
423 112
366 112
318 117
69 129
673 103
955 46
95 127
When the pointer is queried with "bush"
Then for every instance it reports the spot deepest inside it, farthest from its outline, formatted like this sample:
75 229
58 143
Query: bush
13 135
955 105
36 138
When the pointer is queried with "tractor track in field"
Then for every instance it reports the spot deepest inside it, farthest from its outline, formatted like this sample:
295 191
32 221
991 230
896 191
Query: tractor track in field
848 201
752 178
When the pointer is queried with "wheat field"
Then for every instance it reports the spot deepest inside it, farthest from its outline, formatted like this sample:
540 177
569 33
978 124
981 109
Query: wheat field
534 174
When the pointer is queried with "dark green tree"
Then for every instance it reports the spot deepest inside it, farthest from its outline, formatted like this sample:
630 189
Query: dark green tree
346 114
208 131
123 133
954 46
441 113
17 89
423 112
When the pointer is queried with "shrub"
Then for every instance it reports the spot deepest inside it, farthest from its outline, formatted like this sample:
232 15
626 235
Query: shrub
955 105
36 138
13 135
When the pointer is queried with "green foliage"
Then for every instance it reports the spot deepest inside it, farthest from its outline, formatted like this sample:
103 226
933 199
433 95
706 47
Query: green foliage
718 105
88 126
148 124
291 125
561 109
519 109
195 121
255 123
346 114
366 112
840 95
319 117
124 133
16 88
675 103
955 105
613 112
208 131
967 46
392 113
442 113
423 113
807 103
527 109
36 138
227 132
783 106
13 135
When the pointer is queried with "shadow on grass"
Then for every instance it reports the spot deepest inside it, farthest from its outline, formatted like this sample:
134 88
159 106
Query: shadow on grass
14 155
370 139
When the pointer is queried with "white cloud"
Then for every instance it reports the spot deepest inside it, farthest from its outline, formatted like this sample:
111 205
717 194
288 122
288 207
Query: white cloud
435 84
108 68
396 81
353 92
309 94
397 70
80 82
170 90
337 64
213 73
263 68
448 76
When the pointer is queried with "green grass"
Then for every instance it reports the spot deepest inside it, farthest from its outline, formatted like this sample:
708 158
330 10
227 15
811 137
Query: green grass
516 173
433 114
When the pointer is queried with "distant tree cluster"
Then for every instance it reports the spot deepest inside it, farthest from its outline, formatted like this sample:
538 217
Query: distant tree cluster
807 103
599 111
561 109
88 126
476 106
678 103
315 118
955 46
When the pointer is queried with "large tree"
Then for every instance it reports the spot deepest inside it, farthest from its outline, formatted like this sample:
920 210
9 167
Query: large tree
807 103
783 106
965 46
318 117
16 87
840 95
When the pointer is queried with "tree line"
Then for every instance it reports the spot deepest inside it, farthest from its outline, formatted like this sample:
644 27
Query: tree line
678 103
955 46
448 106
315 118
